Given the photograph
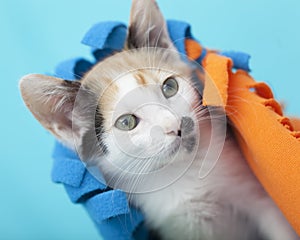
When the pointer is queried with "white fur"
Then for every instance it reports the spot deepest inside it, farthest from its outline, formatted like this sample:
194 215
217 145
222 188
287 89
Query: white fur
209 208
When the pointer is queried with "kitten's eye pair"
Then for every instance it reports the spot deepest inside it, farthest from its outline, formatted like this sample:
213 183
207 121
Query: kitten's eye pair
128 122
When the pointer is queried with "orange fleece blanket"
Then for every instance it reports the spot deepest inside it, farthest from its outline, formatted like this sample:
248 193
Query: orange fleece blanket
269 140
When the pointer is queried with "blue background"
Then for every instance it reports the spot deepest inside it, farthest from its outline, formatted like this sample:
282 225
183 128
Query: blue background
37 34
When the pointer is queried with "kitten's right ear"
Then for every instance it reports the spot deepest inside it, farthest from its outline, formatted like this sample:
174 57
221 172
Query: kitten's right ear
51 101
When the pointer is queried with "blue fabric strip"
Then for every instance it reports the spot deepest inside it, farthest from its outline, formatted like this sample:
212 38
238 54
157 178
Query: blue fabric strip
88 185
68 171
101 54
240 59
178 32
123 227
106 205
106 35
72 69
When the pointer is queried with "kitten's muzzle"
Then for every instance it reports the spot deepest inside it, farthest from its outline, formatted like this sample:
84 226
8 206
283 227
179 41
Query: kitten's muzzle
187 126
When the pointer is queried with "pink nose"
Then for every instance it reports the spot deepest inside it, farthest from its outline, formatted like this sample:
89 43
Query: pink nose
175 133
170 125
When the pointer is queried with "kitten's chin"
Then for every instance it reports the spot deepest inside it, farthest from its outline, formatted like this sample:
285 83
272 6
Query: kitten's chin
178 150
170 151
145 175
134 173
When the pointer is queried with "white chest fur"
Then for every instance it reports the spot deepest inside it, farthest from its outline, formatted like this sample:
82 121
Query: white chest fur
227 204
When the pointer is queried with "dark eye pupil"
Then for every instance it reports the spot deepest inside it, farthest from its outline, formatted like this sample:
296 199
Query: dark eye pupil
168 87
125 122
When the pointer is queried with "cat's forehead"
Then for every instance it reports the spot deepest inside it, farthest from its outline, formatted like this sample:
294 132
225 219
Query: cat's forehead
140 79
128 70
133 90
143 63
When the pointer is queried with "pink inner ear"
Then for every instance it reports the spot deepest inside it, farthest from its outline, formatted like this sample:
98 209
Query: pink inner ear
62 116
55 111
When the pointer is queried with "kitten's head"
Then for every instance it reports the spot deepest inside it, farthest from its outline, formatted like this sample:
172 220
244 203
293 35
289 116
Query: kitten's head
134 112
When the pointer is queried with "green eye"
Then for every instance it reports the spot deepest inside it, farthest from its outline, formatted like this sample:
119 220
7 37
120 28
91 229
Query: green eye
170 87
126 122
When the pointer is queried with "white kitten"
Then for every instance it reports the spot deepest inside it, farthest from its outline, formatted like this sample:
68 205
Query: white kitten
138 116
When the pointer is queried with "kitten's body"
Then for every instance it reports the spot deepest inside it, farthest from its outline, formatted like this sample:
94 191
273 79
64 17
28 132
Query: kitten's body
228 204
168 162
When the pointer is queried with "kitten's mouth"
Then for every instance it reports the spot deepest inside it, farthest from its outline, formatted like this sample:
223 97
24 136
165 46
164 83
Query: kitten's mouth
175 146
185 143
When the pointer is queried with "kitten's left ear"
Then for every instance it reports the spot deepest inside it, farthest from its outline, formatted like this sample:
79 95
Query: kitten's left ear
147 26
65 108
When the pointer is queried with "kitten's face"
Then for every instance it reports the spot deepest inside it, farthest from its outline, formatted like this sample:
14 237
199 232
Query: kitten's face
133 112
147 115
148 112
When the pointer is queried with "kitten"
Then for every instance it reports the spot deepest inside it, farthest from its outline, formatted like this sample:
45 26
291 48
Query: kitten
138 117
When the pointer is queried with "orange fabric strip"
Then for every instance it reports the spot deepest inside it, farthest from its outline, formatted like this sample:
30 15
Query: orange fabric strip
266 138
215 92
193 49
